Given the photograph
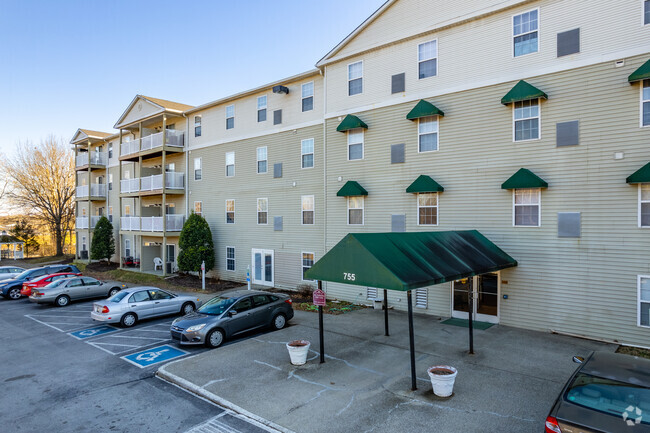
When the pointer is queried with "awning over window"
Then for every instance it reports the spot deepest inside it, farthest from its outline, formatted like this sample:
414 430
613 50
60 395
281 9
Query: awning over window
522 92
407 261
643 73
524 179
424 109
351 188
351 122
423 184
642 175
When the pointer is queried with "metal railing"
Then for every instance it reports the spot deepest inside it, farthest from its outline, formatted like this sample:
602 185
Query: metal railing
96 158
130 147
152 224
175 223
98 190
129 223
175 180
151 183
82 191
130 185
82 222
94 220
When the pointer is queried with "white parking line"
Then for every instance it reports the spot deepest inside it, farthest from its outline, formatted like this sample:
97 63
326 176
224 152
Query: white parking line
50 324
62 317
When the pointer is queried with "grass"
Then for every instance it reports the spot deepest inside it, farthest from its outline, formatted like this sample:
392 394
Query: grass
139 278
634 351
48 259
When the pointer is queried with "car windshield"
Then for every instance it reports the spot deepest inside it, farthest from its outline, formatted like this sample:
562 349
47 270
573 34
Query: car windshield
57 283
217 305
609 396
24 274
118 297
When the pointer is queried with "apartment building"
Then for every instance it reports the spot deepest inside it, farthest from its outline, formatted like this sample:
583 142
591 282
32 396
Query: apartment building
526 120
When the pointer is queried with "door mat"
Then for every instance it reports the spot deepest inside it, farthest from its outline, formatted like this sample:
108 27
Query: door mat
465 323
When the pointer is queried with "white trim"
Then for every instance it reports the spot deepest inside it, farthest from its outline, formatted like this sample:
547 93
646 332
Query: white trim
263 253
420 61
538 117
257 111
233 211
641 125
313 153
257 157
226 163
539 207
363 140
302 210
200 168
229 117
436 119
194 207
478 316
234 259
348 77
419 292
638 303
258 211
363 210
643 3
417 198
302 97
513 36
640 203
302 266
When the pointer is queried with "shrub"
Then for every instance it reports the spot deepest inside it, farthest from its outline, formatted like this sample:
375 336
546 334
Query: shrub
196 245
102 246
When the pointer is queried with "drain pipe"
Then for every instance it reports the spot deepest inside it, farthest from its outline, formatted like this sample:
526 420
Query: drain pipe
187 166
324 74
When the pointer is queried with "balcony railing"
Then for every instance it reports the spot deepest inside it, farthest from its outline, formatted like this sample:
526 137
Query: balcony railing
129 185
130 147
175 223
151 183
94 220
98 190
174 138
175 180
82 191
130 223
96 158
82 222
152 224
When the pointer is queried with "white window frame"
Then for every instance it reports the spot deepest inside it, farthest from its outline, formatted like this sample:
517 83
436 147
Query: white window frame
228 108
349 79
425 60
644 3
200 169
513 36
127 247
363 210
110 150
84 244
266 159
639 301
437 132
234 257
437 207
197 124
233 210
302 264
110 181
538 117
642 102
641 202
539 207
110 213
262 107
303 97
302 153
303 210
363 139
258 211
233 164
200 203
127 210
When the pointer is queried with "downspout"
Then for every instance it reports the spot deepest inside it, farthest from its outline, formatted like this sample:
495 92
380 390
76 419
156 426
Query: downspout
324 74
187 165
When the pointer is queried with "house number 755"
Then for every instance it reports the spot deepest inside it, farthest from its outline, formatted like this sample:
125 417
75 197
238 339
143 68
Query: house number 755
349 277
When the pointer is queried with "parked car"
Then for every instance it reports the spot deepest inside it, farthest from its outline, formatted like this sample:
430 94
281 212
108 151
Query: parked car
137 303
11 288
7 272
61 292
608 392
232 313
43 281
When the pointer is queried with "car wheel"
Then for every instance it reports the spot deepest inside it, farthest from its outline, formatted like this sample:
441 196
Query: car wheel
14 293
128 320
279 322
113 291
187 308
215 338
62 301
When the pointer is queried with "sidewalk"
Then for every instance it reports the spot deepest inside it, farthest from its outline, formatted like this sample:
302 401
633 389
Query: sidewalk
364 385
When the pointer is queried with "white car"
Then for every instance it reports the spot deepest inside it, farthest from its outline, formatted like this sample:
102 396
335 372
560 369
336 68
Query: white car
8 272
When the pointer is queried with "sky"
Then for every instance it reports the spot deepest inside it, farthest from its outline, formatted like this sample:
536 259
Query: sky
68 64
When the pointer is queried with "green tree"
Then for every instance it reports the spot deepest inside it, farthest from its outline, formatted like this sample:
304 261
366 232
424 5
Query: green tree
102 246
196 245
26 233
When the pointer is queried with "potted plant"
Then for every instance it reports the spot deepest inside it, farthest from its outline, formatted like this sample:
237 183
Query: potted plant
442 379
298 350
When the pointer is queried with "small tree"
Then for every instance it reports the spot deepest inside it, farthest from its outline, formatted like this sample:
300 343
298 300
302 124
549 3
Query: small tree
196 245
26 233
103 243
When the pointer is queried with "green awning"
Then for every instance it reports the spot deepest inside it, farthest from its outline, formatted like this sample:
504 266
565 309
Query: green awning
642 175
407 261
424 183
643 73
524 179
351 122
351 188
424 109
522 92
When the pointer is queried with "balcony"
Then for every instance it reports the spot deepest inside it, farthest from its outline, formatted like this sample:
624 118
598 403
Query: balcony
152 224
130 223
174 181
82 222
130 147
98 159
154 141
94 220
97 191
129 185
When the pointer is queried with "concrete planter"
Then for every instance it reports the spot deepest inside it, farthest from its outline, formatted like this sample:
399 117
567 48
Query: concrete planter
442 379
298 350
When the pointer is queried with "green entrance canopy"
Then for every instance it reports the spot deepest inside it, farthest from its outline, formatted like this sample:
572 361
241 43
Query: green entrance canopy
351 122
642 175
407 261
351 188
522 92
643 73
423 184
424 109
524 179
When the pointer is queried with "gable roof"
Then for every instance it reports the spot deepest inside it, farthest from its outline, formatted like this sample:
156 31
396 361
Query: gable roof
162 106
88 134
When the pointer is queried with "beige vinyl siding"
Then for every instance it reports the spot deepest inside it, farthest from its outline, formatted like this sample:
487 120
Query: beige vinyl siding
114 201
140 110
585 286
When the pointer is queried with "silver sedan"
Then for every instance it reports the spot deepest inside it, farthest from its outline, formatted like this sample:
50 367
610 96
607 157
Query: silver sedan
131 305
61 292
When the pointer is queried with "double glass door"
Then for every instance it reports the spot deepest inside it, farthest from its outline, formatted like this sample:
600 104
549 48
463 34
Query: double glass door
485 291
262 272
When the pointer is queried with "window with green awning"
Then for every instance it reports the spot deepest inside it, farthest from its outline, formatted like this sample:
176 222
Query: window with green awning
424 184
642 175
350 189
424 109
522 91
351 122
524 178
643 73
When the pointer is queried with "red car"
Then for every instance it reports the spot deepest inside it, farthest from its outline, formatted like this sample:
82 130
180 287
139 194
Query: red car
44 281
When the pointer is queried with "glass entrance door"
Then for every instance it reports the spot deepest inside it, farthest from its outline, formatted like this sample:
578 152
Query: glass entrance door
485 291
262 265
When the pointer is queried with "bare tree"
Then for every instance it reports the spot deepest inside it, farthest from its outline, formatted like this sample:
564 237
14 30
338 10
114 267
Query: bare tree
42 179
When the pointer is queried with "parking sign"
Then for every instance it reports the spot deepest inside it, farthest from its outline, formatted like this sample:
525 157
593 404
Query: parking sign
154 355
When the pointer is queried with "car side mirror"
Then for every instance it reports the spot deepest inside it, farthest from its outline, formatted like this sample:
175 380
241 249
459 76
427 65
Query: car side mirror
232 313
578 359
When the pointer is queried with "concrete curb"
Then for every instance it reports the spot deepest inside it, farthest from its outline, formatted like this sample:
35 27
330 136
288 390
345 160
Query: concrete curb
165 375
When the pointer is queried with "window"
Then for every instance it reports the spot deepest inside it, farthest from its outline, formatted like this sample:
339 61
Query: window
307 209
230 117
83 243
127 247
110 181
230 164
198 207
307 262
645 103
526 207
230 258
110 213
526 120
355 210
141 296
428 209
307 153
646 12
261 160
428 59
355 144
197 126
428 134
644 205
110 150
644 300
197 169
524 33
261 109
262 210
127 210
355 78
308 96
230 211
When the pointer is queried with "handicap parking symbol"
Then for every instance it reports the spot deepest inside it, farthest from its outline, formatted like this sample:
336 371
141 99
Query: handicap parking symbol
154 356
92 332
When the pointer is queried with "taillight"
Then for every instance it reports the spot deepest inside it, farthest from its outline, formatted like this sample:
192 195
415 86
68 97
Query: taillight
551 425
105 309
288 301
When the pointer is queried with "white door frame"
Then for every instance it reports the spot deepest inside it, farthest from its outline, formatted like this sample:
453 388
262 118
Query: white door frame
477 316
264 253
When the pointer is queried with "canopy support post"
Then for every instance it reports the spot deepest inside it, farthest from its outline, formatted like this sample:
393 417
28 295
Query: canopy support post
470 303
320 327
386 312
411 341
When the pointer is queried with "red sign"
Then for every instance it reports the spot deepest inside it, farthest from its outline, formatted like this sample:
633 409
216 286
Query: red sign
319 298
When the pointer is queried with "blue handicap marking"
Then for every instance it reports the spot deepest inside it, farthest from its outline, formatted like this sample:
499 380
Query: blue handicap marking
92 332
154 356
